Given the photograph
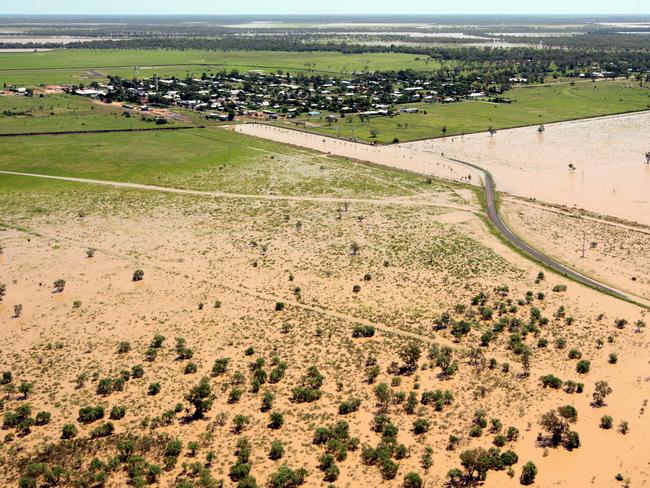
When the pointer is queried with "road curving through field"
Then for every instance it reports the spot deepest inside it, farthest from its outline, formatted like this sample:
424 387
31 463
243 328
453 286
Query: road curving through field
442 166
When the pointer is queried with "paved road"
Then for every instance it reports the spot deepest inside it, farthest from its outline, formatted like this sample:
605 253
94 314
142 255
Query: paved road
495 218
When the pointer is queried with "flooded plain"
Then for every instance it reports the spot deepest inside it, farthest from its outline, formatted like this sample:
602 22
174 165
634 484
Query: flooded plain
608 175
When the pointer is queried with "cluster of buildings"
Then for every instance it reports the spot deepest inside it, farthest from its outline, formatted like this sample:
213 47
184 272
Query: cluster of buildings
271 95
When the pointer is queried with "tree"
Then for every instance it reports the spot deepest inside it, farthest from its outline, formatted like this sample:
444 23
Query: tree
476 463
556 423
201 397
528 473
383 394
602 390
410 354
25 388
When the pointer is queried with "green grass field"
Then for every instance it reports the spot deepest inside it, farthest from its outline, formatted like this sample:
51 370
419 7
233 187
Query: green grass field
531 105
84 65
57 113
204 159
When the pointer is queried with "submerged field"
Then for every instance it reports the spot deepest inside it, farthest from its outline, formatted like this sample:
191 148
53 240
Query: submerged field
428 336
530 106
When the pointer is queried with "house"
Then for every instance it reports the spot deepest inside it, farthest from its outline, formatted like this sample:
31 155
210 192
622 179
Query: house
89 92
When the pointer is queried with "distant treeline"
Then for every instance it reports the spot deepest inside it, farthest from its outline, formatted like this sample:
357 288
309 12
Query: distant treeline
523 59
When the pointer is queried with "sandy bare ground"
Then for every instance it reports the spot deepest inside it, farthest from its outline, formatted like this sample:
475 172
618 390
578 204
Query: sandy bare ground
613 252
241 251
611 177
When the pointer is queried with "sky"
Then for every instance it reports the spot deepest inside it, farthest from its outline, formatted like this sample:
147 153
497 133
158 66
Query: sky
281 7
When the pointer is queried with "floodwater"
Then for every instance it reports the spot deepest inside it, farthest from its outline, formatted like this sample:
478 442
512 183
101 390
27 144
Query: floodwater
611 176
396 156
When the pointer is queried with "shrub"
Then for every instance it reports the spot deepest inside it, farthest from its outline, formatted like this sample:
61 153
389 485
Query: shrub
90 414
157 341
138 275
573 441
575 354
363 331
421 426
349 406
137 371
220 366
613 358
500 440
606 422
286 477
277 450
117 413
267 401
509 458
276 420
551 381
239 471
412 480
43 418
234 395
105 386
123 347
25 388
7 377
583 366
528 473
173 447
154 388
190 368
240 422
69 431
59 285
623 427
103 430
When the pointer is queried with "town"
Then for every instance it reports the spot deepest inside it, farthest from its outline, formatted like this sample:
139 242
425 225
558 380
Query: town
225 95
